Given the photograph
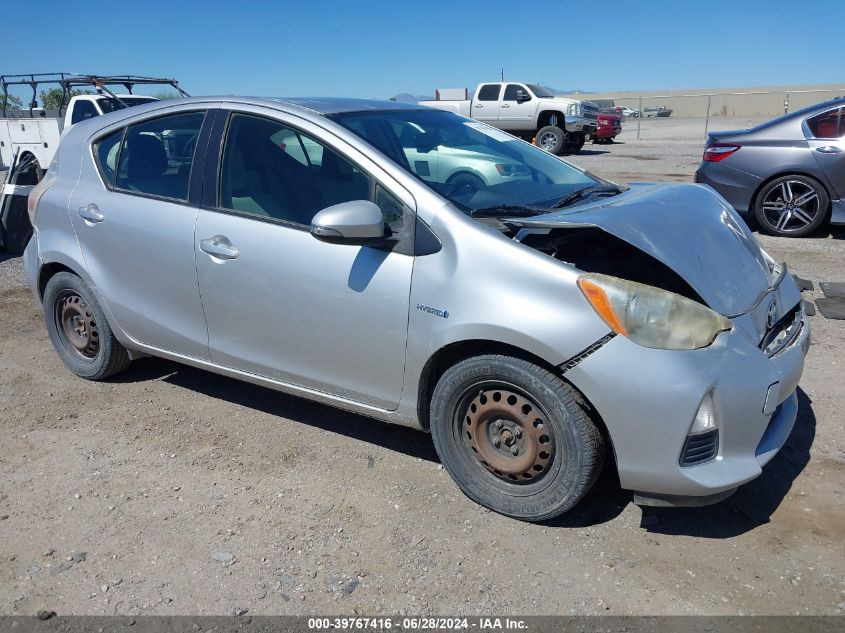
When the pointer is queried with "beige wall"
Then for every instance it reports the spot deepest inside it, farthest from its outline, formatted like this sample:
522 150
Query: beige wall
763 101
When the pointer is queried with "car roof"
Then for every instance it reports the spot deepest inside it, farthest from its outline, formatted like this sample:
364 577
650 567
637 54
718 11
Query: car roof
337 105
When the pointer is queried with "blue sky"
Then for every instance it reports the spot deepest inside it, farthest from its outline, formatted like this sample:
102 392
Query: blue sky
380 48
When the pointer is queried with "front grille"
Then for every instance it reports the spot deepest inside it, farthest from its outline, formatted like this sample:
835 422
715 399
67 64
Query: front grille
589 110
700 448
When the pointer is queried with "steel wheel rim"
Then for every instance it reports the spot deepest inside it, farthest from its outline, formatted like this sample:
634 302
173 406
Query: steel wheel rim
507 433
791 206
548 141
77 326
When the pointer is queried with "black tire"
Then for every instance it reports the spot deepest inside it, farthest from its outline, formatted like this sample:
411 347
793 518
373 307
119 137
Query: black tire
576 142
465 183
778 211
93 352
551 138
562 468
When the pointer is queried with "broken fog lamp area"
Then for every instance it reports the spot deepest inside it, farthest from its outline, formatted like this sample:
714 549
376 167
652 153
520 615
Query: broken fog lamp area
702 443
652 317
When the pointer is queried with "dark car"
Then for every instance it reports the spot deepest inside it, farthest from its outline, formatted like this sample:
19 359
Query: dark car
788 172
657 111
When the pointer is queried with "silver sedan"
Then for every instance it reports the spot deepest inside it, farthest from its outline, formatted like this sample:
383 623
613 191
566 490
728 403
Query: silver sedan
535 322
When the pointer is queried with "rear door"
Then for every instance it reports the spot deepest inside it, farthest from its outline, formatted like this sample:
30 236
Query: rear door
485 103
826 138
279 303
135 225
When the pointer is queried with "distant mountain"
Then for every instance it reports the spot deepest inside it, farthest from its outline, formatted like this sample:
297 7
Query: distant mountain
406 97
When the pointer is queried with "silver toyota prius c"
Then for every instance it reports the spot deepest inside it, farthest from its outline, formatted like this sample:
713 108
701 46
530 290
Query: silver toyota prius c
425 269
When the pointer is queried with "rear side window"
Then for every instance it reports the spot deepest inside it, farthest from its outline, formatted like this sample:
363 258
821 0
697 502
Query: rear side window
156 156
489 92
83 110
106 152
830 124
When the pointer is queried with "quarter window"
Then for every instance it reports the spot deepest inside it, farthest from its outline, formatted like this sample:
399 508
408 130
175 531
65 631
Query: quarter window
830 124
489 92
274 171
156 156
106 152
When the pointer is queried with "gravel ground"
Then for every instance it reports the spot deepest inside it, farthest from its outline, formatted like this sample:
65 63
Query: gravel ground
169 490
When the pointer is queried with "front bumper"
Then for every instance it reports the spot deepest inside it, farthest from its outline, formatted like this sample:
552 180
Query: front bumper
648 399
608 131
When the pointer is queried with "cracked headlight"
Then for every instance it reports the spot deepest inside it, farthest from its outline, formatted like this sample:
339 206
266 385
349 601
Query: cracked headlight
652 317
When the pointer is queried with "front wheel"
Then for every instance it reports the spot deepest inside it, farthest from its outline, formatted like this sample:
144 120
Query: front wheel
79 331
514 437
551 138
792 206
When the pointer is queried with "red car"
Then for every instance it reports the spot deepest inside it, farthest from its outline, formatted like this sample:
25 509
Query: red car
609 125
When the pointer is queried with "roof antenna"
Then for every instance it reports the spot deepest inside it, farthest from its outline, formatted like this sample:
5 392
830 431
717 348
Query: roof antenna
503 74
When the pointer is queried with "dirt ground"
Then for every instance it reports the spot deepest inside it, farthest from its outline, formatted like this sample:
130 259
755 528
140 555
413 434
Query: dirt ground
169 490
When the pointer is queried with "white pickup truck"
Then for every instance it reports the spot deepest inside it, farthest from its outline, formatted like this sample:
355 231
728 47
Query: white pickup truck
30 136
557 124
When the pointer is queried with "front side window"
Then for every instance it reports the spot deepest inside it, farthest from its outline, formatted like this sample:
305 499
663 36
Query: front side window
106 152
512 92
83 110
489 92
471 164
828 124
156 156
274 171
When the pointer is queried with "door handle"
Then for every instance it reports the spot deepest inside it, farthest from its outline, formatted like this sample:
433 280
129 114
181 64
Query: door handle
91 213
478 105
505 105
219 247
829 149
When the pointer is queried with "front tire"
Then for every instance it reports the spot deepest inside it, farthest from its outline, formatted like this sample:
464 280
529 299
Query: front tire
792 206
515 437
79 330
551 138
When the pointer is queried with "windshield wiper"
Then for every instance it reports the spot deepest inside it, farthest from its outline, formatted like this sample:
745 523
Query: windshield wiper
507 210
583 192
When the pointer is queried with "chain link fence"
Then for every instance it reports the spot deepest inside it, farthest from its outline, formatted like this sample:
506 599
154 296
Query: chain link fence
691 116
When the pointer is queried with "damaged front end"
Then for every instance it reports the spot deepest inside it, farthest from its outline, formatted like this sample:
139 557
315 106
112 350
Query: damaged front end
681 239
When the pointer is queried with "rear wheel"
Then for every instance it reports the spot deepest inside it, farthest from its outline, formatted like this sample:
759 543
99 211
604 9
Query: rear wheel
514 437
792 206
79 331
551 138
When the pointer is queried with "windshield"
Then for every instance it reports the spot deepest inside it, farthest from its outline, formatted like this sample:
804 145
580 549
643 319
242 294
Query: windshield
110 104
473 165
541 91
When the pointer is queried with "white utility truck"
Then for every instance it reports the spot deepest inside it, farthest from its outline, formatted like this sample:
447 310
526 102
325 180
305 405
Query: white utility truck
556 123
29 136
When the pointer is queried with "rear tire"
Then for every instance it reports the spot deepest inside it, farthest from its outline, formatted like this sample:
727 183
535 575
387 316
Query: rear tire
552 139
792 206
79 331
515 437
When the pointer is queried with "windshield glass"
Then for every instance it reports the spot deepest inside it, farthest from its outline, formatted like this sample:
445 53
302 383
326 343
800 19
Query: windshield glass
473 165
110 104
541 91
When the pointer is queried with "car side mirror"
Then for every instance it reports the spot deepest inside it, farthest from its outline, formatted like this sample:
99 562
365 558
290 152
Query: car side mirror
521 97
352 222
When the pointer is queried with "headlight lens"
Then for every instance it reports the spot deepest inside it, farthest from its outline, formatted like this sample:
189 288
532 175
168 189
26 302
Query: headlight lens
652 317
574 109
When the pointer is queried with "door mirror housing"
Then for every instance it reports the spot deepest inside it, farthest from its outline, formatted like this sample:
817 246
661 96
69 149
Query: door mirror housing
522 96
352 222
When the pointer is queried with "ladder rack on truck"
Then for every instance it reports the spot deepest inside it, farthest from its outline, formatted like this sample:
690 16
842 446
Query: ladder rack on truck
29 136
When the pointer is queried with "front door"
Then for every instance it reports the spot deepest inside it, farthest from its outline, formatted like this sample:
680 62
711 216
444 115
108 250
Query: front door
278 302
135 227
515 112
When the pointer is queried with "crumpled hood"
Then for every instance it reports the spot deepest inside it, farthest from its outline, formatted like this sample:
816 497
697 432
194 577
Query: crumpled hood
690 229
